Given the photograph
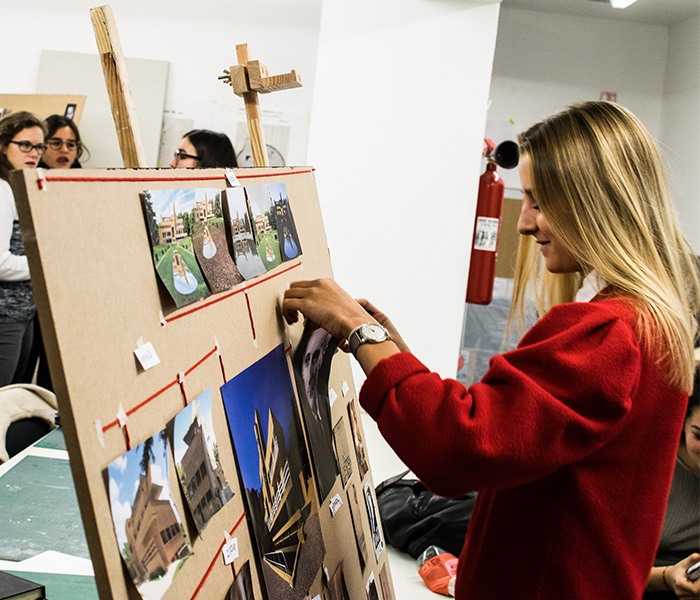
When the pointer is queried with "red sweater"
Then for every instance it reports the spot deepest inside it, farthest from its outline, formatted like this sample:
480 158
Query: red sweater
570 439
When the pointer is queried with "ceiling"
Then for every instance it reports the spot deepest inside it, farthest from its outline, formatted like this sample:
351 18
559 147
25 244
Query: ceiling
657 12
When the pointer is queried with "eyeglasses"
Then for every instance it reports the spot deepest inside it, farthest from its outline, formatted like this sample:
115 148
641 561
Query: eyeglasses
27 147
56 143
180 155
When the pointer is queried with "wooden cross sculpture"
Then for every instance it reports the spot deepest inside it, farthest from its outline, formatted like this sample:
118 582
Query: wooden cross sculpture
248 79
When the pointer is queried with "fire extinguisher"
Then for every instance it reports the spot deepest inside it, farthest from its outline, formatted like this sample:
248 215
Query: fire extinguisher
489 204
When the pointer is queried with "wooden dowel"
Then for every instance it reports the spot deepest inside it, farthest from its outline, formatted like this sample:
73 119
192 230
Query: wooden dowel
118 89
252 110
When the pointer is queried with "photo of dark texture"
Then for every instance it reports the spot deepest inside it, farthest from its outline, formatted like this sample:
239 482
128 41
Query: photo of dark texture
371 587
337 588
312 367
272 461
384 584
210 244
242 588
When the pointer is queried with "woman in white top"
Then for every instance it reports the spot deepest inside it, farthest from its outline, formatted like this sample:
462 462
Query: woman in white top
21 147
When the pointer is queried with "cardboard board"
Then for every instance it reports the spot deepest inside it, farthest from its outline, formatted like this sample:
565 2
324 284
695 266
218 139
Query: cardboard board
99 299
44 105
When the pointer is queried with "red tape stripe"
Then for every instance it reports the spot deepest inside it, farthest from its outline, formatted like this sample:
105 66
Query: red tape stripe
227 295
162 390
250 315
213 560
200 178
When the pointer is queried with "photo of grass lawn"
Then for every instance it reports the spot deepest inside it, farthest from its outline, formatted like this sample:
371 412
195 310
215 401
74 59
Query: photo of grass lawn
186 285
170 219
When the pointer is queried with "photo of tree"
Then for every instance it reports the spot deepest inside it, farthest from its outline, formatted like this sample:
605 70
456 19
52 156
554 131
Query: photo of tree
197 463
241 239
152 539
272 461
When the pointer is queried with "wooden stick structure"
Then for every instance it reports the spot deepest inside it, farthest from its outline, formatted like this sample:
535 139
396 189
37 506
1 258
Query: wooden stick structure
118 89
248 79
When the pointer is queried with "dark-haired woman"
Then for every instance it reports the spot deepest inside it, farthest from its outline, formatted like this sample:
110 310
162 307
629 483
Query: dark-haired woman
204 149
21 147
63 144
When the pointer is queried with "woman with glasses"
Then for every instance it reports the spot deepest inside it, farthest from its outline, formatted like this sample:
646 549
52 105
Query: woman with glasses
63 145
204 149
21 147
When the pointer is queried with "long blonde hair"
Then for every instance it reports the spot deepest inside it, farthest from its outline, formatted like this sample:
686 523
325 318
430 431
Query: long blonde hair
600 182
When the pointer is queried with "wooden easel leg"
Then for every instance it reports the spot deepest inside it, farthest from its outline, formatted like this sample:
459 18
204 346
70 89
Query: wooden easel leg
252 111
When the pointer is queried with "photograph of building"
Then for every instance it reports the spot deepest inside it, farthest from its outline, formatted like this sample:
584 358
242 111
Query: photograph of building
196 460
150 533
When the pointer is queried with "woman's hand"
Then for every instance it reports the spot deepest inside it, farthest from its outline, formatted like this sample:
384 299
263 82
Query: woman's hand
326 304
679 583
382 319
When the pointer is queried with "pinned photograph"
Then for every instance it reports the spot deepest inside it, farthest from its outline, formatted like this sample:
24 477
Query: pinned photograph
197 463
337 588
375 527
384 584
342 451
241 239
284 221
272 460
170 221
358 441
242 588
209 242
312 367
263 216
371 587
152 539
355 516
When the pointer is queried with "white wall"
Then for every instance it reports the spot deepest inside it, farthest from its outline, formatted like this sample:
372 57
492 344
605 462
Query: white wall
545 61
396 135
680 125
197 39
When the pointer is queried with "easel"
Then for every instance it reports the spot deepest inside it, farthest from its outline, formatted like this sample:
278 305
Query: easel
249 78
118 89
94 370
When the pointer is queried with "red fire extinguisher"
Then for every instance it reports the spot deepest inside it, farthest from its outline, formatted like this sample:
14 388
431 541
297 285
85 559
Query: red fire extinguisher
489 204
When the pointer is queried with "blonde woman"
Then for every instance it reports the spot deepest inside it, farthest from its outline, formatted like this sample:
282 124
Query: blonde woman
571 438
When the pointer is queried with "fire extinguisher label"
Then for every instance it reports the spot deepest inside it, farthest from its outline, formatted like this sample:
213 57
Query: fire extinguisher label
486 234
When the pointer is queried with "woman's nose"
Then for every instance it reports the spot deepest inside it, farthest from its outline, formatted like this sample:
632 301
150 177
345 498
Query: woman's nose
527 224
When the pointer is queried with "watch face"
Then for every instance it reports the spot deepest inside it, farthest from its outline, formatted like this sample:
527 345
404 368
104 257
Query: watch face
375 333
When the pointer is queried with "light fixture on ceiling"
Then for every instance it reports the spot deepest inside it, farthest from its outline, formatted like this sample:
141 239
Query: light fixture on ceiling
621 3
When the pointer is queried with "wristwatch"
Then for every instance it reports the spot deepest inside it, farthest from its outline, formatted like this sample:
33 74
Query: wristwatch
367 333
